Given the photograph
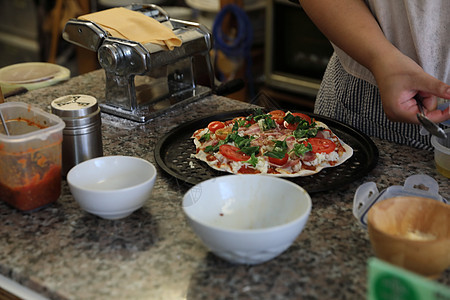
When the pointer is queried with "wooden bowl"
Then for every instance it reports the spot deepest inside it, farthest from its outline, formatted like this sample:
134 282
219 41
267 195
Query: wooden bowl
412 232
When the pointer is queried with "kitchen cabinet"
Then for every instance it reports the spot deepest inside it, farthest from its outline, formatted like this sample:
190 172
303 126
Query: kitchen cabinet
62 252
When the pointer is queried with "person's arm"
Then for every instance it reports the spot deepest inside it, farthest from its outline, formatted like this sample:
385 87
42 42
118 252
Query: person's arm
350 25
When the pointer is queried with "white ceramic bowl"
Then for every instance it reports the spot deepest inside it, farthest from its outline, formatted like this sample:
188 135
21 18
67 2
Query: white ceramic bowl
247 219
112 187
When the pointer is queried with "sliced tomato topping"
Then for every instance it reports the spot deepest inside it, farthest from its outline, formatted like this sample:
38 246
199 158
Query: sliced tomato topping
238 119
233 153
277 161
277 116
293 126
214 125
320 145
250 121
222 133
303 116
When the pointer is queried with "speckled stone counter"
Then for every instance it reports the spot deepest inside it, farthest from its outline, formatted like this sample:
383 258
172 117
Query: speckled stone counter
63 252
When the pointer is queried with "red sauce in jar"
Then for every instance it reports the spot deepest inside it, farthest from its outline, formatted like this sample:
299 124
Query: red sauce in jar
29 122
39 192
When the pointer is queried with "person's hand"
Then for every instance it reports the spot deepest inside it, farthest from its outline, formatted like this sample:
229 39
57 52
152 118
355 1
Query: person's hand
399 79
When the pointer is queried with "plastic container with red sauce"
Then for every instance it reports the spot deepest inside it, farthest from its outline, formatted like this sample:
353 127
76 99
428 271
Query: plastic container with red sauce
30 157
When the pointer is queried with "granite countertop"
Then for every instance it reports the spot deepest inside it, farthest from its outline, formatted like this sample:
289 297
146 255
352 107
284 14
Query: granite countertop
63 252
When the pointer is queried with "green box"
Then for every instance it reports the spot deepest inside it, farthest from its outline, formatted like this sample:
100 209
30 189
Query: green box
389 282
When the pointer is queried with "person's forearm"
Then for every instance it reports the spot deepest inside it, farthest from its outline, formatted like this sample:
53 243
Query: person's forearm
350 25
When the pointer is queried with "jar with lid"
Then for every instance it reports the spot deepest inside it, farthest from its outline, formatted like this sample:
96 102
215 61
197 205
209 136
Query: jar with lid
82 136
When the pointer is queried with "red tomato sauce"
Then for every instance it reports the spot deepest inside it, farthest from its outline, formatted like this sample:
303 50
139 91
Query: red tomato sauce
306 167
210 157
246 170
271 170
39 192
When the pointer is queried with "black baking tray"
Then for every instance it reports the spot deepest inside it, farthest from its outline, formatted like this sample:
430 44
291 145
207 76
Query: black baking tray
173 155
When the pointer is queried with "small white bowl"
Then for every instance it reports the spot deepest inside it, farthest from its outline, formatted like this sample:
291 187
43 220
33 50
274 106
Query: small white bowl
247 219
112 187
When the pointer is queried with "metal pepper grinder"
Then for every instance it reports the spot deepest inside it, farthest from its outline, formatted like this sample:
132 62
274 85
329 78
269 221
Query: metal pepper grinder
82 136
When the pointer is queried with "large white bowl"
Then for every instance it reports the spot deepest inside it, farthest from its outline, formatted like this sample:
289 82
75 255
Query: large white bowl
112 187
247 219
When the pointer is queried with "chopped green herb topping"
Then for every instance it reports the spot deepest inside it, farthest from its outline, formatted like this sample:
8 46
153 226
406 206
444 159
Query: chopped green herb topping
204 138
257 114
300 149
240 123
235 126
291 119
300 133
242 142
253 160
279 150
266 123
250 150
264 120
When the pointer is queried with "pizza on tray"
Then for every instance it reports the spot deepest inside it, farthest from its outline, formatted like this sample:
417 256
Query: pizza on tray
277 143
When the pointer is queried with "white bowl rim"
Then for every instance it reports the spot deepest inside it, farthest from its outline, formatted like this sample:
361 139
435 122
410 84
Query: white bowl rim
152 167
257 230
437 145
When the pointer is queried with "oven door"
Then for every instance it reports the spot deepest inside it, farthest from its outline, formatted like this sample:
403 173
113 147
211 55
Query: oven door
296 52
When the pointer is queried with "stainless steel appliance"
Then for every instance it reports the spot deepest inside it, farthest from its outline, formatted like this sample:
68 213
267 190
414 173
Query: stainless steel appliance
143 80
296 52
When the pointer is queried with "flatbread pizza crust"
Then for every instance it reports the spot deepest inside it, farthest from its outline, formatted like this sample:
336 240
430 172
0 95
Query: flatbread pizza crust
321 161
